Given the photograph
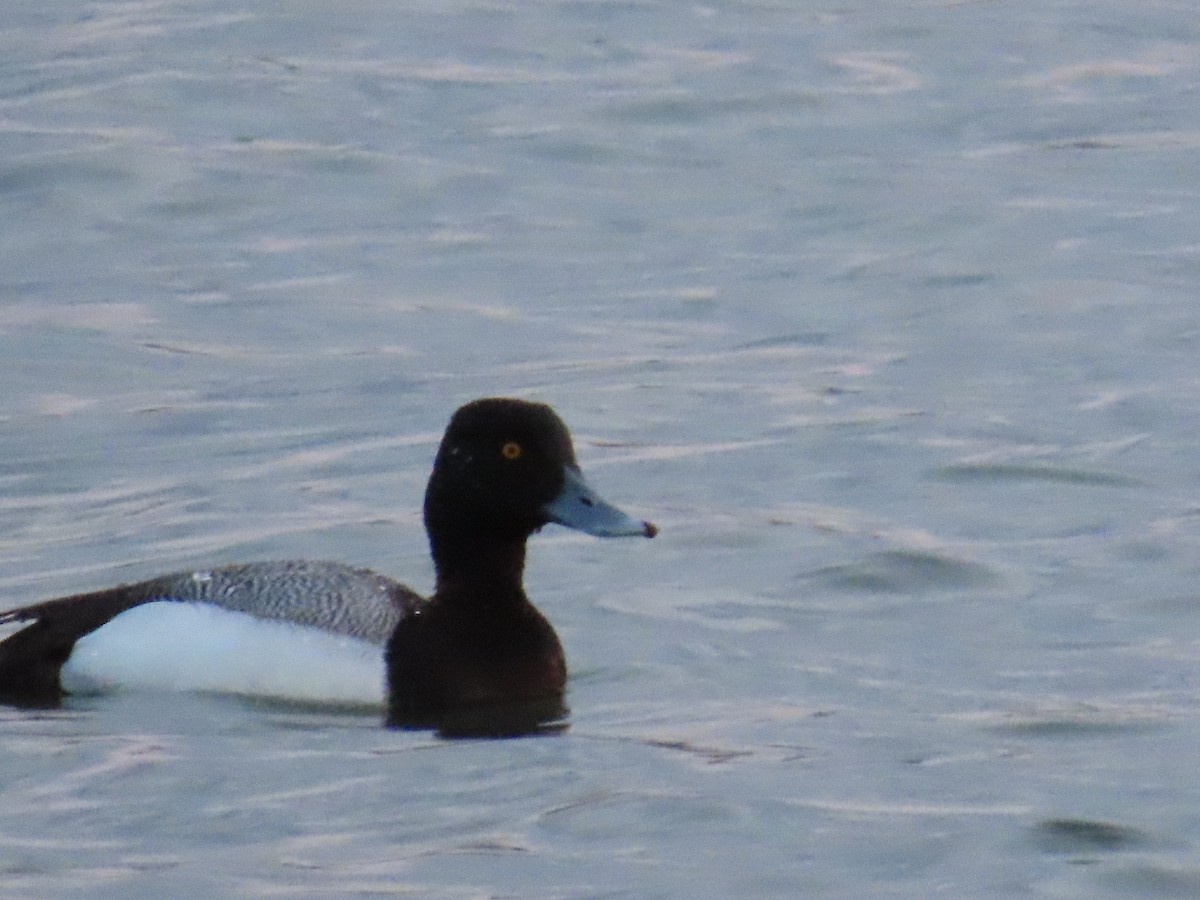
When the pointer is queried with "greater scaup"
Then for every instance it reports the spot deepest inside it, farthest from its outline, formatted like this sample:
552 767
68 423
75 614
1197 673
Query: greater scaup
474 657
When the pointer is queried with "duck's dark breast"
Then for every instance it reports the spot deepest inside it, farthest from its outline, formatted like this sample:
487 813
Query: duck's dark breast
448 664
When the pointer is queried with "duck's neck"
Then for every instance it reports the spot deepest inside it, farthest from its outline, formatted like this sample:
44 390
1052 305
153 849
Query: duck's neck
486 571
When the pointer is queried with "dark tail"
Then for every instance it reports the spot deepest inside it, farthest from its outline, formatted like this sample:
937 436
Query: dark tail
31 660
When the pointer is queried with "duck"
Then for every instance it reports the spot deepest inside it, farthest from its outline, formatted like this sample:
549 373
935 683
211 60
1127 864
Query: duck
476 656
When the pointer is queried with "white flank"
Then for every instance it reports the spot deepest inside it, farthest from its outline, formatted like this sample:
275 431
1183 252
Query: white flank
198 647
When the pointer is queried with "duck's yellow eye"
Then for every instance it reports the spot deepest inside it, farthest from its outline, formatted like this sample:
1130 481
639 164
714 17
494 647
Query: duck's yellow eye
511 450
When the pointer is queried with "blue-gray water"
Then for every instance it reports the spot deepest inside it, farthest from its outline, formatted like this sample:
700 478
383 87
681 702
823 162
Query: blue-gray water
887 313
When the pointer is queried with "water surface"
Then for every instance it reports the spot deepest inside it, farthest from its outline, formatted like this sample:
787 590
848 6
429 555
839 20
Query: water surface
886 313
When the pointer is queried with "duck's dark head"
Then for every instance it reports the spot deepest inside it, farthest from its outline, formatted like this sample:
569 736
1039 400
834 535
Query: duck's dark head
504 469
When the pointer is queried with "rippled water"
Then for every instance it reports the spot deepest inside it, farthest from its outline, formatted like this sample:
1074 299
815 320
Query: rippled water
886 313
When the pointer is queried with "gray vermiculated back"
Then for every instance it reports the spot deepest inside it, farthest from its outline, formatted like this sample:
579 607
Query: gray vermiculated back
328 595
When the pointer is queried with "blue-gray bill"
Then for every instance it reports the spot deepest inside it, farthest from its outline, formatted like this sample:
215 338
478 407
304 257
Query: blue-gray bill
578 506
